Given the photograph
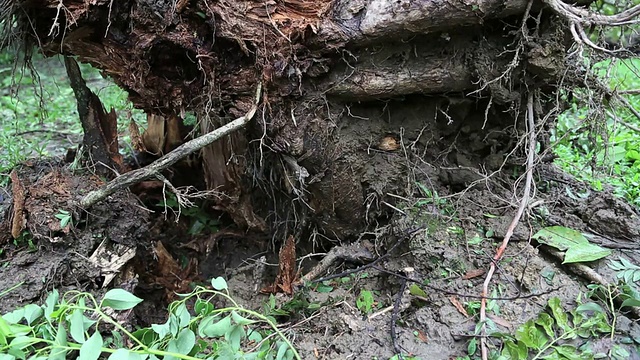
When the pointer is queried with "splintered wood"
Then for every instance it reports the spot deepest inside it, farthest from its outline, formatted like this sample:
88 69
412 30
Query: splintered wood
287 273
18 221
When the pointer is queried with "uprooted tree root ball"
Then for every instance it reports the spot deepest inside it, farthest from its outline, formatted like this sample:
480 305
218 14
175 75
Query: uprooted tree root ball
406 126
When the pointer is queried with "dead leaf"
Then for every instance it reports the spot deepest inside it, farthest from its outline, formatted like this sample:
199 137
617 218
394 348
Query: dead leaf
473 274
458 305
500 321
287 273
422 337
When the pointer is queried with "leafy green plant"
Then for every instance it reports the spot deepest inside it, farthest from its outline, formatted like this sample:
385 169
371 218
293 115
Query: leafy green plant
365 301
625 270
600 145
72 325
550 335
65 218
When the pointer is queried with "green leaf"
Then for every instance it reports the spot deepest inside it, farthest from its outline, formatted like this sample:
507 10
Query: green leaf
630 302
91 348
472 347
161 329
203 307
76 326
58 352
559 314
546 321
365 301
569 352
219 283
589 307
577 247
531 336
218 328
515 351
238 319
125 354
22 342
322 288
120 299
183 316
282 350
415 290
186 340
50 303
146 336
234 336
14 316
32 312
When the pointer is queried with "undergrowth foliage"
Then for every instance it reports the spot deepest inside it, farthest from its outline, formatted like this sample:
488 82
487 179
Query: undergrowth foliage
77 325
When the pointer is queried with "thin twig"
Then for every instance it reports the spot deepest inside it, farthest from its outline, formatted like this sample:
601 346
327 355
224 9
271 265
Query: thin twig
516 219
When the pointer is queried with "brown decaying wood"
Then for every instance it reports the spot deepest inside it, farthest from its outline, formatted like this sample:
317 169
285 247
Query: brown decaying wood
100 127
164 162
19 217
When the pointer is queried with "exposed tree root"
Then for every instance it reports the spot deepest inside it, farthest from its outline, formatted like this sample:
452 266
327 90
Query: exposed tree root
523 204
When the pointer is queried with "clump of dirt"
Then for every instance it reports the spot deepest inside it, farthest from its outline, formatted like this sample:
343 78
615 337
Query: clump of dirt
56 239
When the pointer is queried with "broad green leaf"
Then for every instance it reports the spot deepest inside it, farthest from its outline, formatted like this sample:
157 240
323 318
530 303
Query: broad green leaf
76 326
183 316
203 307
161 329
531 335
577 247
32 312
120 299
415 290
57 351
569 352
234 336
255 336
559 314
15 316
174 325
546 321
146 336
240 320
7 357
589 307
630 302
322 288
50 303
125 354
219 283
282 350
91 348
186 340
218 328
472 347
5 330
515 351
21 342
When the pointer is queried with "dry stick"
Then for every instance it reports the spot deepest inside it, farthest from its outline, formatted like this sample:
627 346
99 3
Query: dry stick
512 226
171 158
